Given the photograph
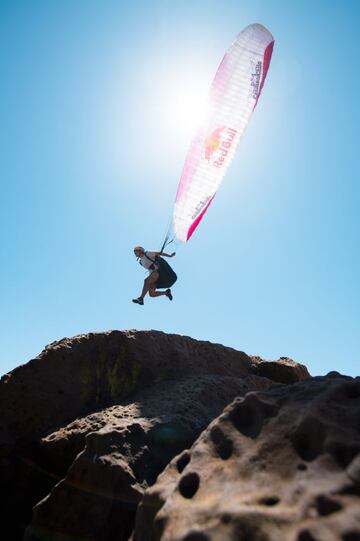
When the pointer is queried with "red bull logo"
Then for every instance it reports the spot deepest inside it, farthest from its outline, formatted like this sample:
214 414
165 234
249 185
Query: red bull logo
212 142
218 144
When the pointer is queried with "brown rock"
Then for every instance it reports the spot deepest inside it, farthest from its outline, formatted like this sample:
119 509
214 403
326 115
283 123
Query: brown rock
125 448
282 464
64 407
74 376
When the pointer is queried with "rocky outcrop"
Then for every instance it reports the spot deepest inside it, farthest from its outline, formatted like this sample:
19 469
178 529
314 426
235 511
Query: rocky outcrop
281 464
88 425
74 376
124 450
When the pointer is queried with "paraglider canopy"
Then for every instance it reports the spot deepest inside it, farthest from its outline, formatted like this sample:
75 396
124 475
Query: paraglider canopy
234 94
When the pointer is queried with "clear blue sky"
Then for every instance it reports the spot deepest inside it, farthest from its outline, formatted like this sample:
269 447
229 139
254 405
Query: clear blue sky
91 151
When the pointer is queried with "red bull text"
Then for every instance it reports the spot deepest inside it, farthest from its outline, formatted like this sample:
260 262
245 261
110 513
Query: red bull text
218 144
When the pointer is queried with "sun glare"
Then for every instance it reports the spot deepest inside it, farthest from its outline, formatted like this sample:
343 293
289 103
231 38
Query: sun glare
189 109
177 99
187 104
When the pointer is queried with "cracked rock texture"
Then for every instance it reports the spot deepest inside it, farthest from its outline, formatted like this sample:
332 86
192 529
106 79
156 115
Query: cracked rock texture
87 427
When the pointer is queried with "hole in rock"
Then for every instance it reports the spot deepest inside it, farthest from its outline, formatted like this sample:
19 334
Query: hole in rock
306 535
248 529
308 438
248 416
189 485
196 536
353 490
327 506
342 452
182 462
302 467
351 536
223 444
270 500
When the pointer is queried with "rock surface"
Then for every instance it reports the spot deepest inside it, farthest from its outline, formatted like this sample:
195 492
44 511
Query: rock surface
125 448
88 425
281 464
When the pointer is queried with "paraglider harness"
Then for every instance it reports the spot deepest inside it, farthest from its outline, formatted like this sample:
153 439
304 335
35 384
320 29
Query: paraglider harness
167 277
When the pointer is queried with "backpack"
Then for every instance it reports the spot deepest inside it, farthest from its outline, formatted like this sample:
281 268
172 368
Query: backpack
167 277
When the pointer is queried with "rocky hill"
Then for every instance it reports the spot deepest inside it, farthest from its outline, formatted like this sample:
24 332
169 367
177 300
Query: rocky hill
147 436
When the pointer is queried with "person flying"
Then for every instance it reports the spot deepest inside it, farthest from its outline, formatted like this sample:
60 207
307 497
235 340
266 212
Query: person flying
160 275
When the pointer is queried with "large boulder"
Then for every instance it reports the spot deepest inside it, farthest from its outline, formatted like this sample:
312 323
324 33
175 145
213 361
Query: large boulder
124 448
75 376
280 464
90 423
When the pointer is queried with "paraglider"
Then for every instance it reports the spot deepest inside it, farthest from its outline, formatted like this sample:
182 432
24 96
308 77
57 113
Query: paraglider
233 96
161 275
